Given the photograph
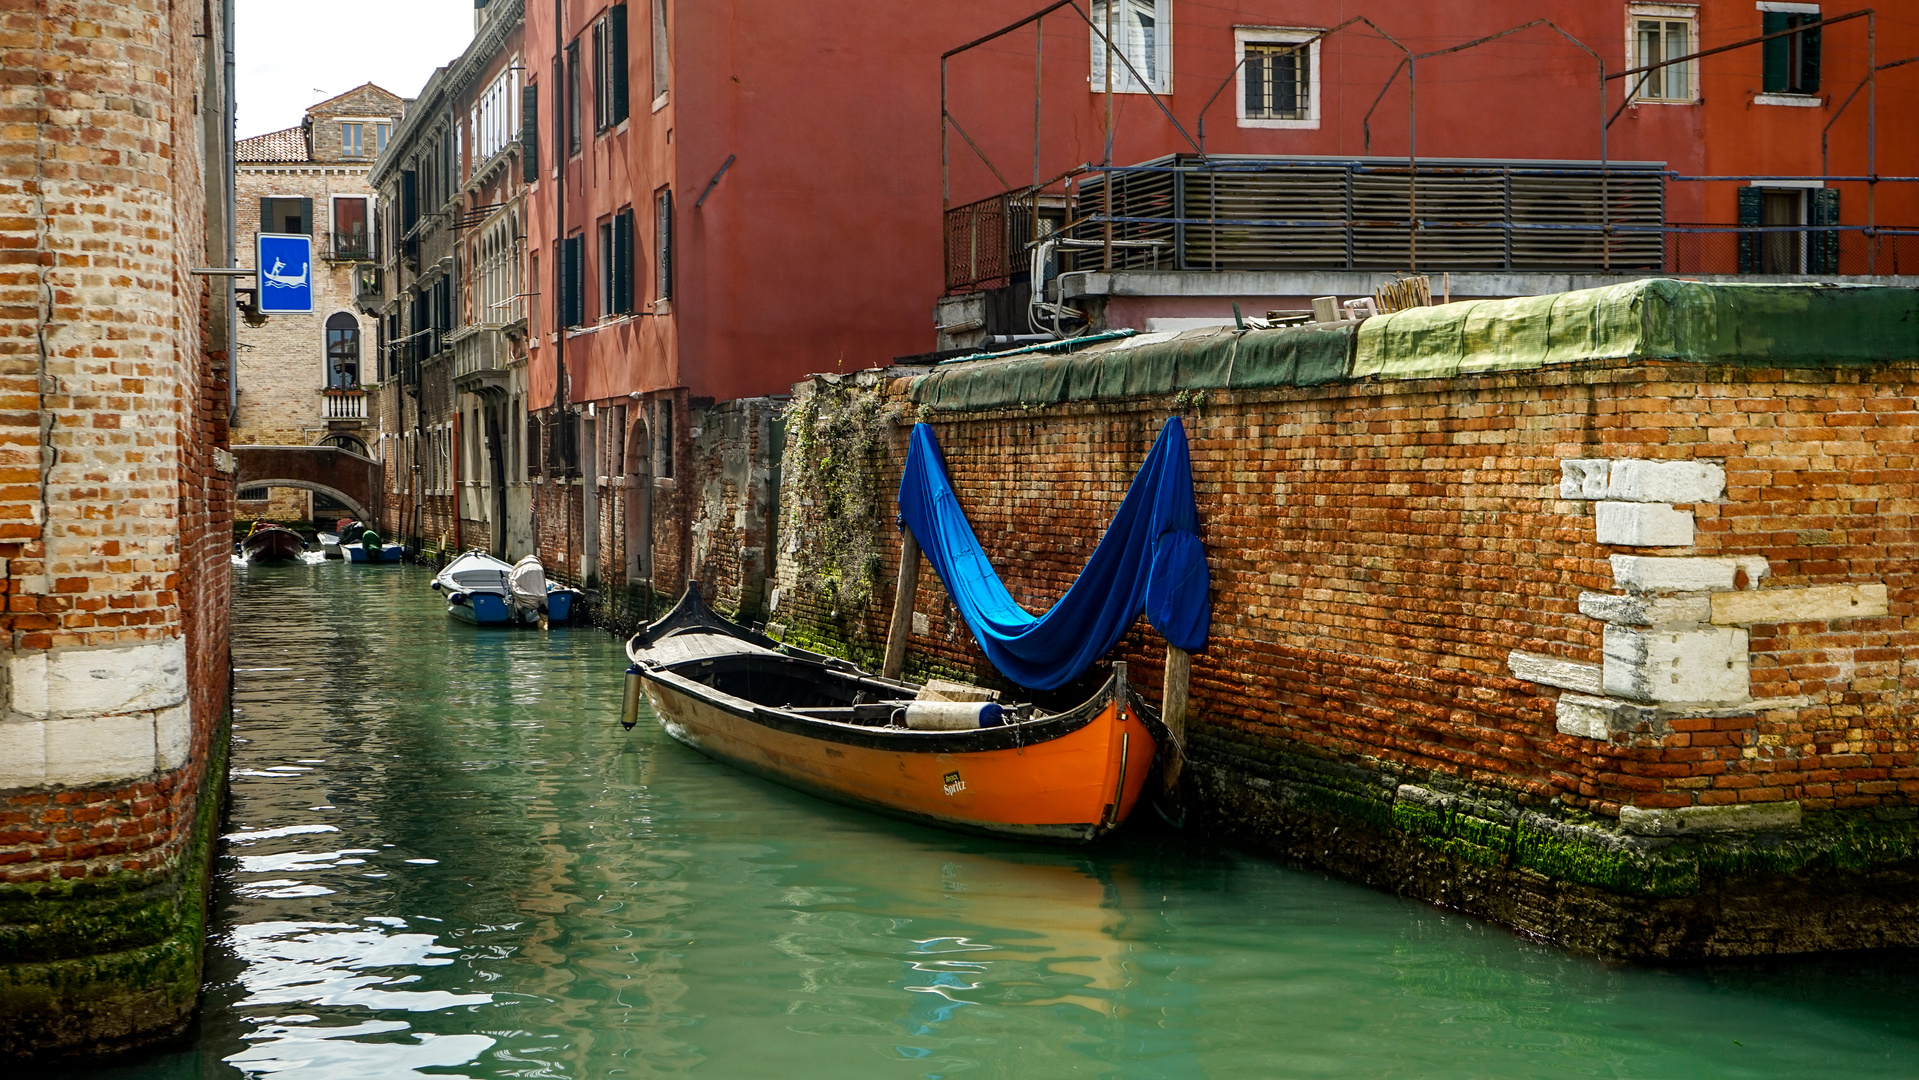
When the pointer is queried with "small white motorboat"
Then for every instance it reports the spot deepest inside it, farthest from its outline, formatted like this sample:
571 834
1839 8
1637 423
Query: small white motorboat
486 591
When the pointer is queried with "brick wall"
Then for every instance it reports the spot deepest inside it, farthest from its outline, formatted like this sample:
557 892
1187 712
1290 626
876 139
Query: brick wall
1386 556
115 520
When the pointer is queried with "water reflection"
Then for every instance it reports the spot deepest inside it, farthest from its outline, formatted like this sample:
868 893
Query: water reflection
445 859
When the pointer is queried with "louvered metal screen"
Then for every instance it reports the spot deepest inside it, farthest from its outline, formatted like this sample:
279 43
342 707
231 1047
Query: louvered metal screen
1303 213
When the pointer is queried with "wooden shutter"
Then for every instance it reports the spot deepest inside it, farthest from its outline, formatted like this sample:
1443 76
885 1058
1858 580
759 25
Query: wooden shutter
409 199
1822 250
1752 206
616 31
1776 55
623 262
572 283
1808 73
663 244
529 133
266 216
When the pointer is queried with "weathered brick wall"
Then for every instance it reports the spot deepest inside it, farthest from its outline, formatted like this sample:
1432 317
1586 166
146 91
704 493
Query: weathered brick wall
1379 550
115 519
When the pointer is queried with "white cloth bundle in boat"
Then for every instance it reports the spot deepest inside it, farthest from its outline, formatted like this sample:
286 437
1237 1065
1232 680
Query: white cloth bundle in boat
528 579
953 715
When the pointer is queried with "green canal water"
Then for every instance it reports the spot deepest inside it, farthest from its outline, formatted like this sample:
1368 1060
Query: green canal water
446 859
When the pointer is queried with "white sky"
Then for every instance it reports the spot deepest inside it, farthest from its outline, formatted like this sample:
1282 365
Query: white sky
292 53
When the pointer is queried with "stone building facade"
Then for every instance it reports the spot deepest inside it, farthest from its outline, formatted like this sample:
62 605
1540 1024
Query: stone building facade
115 514
449 407
302 377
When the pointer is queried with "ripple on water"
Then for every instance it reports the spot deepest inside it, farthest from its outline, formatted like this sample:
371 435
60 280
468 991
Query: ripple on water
509 885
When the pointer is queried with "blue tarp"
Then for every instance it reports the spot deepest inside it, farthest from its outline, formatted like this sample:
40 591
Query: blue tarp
1150 560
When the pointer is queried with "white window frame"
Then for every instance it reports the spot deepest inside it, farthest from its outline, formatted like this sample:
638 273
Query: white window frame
1123 82
1276 35
1665 13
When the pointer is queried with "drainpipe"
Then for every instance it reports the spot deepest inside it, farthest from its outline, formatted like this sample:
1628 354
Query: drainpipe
232 209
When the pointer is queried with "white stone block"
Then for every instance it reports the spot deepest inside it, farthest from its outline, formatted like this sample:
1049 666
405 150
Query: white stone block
1554 671
1584 478
1639 609
1706 665
1666 481
1588 717
99 750
922 625
1673 573
98 682
173 737
1821 603
23 754
1735 817
1642 524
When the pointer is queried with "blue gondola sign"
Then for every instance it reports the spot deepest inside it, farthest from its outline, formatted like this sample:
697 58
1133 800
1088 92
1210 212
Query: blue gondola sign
286 273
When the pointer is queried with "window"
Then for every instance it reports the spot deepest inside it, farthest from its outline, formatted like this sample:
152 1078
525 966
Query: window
494 125
1776 246
409 199
253 494
285 215
342 351
573 281
609 67
380 132
533 309
573 98
1278 77
1141 35
1792 62
663 425
350 232
663 243
616 264
530 135
660 56
1660 33
352 140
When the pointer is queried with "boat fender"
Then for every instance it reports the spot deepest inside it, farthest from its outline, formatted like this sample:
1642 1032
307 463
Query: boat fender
456 598
630 705
953 715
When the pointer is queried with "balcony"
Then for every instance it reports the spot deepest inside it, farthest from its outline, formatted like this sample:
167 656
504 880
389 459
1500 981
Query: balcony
342 404
480 356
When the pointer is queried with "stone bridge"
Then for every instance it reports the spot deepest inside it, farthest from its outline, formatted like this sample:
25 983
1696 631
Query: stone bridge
342 474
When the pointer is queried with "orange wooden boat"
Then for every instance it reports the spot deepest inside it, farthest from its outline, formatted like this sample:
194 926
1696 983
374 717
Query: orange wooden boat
825 727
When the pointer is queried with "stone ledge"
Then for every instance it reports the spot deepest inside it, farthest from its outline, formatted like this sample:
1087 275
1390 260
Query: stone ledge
1637 480
1638 609
1820 603
1673 573
1686 820
1554 671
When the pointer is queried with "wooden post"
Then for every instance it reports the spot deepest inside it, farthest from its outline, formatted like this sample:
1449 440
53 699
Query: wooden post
1172 713
903 592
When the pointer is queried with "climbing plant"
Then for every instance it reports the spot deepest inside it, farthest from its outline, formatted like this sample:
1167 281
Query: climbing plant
840 435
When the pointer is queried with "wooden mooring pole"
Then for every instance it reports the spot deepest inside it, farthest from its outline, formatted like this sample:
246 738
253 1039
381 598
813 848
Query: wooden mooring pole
1172 713
903 593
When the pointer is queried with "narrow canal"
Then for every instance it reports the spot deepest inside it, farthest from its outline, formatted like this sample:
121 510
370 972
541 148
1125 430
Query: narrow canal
446 859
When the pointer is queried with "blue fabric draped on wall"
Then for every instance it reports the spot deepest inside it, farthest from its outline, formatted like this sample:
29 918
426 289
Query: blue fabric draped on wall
1150 560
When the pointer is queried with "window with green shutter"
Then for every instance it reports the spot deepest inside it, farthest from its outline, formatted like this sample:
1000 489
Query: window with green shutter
1791 61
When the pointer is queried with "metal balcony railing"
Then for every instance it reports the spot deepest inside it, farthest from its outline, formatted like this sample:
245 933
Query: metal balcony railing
343 404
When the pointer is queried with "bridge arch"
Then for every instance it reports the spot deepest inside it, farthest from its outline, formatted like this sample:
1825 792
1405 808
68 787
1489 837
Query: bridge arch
349 478
360 510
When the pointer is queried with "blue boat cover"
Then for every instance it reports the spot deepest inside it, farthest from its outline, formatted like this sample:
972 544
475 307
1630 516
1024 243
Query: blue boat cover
1150 560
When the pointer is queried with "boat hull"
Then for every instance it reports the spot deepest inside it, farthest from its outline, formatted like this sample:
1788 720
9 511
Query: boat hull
1072 788
388 553
481 609
272 545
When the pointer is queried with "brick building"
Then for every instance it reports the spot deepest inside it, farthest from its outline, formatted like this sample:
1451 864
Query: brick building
116 514
301 378
450 403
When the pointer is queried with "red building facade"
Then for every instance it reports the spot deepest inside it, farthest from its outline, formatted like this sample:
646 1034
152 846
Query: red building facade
724 198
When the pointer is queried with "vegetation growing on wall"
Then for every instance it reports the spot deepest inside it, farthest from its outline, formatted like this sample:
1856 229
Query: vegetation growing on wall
840 434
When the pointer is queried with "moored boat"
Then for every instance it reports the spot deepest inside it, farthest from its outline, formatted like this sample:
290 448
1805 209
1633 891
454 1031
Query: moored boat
267 543
486 591
823 726
382 552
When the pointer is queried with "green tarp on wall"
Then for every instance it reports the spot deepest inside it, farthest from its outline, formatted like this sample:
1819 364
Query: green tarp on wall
1796 326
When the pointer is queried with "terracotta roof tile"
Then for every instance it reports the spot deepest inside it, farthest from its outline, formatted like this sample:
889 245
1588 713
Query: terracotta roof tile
287 145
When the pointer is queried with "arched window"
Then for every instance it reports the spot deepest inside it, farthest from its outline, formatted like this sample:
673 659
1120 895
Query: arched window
342 351
347 442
